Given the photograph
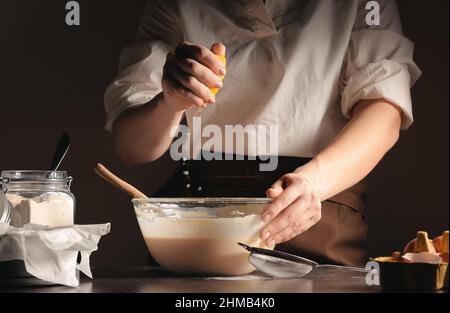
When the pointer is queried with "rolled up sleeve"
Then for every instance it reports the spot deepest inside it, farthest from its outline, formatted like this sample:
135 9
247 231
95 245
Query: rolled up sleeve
379 63
141 64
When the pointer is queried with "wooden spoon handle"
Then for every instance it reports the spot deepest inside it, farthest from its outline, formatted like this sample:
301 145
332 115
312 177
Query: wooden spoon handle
104 173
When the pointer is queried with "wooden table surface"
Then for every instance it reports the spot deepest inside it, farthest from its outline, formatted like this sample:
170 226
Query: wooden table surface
156 280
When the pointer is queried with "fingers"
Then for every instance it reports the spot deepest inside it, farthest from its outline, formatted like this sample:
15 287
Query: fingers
290 216
272 193
201 54
282 201
191 74
293 189
177 90
275 190
191 83
296 219
180 92
199 71
292 231
294 209
218 48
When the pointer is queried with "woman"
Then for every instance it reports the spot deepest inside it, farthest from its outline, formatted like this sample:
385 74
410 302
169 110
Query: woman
335 84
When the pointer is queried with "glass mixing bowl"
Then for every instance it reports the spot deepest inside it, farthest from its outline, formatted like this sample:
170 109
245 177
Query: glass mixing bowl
200 235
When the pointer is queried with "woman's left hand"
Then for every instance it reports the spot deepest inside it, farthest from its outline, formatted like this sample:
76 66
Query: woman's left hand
295 208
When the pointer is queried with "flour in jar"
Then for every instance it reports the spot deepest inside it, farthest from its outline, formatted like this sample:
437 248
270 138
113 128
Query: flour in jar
51 208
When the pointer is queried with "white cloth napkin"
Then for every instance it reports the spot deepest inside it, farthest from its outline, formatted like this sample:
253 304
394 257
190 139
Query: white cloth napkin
50 253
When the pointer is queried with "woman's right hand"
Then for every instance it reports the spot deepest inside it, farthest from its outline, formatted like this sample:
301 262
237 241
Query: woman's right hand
189 74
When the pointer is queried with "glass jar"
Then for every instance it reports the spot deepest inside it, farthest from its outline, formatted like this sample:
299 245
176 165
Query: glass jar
5 210
39 197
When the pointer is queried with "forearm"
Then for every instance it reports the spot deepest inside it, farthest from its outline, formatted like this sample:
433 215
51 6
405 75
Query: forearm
143 134
373 131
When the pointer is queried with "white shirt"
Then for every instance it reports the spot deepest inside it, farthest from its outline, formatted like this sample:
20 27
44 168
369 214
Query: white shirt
301 65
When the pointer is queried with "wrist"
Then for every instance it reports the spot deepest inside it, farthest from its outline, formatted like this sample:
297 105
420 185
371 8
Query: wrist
313 172
168 107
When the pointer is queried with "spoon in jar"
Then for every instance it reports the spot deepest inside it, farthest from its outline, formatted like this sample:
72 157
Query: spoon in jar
104 173
60 152
280 264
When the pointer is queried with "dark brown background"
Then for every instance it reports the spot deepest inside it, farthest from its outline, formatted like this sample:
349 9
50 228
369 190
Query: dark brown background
52 79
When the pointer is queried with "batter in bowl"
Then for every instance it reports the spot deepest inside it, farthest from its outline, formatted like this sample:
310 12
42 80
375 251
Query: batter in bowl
196 243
